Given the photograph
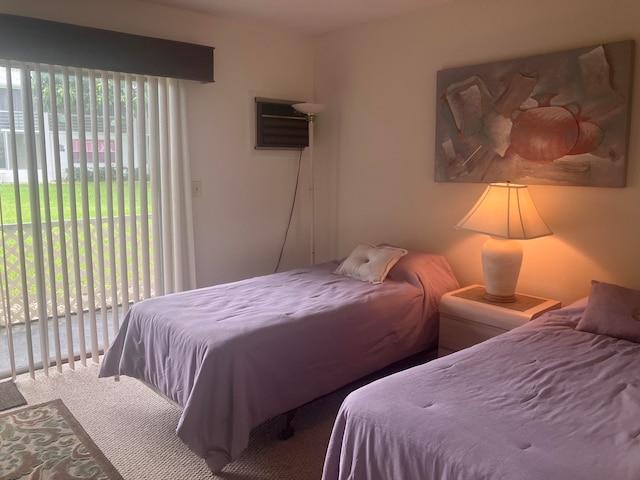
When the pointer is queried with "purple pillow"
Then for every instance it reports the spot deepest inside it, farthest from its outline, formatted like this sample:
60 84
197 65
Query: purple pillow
612 310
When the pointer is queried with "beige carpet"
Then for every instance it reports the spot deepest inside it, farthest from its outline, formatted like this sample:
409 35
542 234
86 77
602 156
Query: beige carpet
135 429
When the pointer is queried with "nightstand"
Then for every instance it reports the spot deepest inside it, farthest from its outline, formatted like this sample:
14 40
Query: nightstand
467 318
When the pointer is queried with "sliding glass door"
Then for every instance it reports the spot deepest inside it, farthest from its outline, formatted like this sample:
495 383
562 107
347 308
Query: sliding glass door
91 166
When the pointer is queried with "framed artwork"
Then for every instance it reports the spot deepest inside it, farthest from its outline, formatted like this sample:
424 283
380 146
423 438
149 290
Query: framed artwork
555 119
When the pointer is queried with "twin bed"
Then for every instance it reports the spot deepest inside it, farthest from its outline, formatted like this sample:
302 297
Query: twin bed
235 355
555 399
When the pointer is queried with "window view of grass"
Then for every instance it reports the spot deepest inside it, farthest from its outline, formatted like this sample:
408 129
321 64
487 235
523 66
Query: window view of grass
10 211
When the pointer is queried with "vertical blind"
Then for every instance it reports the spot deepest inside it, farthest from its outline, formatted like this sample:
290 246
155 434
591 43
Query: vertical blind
95 209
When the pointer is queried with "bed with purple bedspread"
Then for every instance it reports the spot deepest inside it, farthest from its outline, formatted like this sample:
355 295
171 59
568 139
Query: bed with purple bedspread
235 355
542 402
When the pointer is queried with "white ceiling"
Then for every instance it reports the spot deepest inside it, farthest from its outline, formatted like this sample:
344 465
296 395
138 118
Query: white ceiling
312 17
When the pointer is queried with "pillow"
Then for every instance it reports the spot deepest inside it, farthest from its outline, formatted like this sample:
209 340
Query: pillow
370 263
421 269
612 310
407 268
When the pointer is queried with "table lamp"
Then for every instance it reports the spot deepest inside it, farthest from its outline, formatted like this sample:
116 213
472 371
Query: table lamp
506 213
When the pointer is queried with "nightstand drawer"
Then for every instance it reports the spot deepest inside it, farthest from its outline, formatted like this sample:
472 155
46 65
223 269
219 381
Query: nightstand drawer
457 333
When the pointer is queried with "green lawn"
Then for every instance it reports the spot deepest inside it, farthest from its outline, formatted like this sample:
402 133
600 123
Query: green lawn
9 201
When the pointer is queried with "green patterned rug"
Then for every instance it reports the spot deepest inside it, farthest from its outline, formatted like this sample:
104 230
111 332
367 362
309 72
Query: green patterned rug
46 441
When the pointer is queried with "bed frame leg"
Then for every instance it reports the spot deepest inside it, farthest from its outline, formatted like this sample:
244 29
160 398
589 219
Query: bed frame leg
288 431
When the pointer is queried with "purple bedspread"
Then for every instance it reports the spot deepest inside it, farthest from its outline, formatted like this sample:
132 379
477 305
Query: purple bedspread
235 355
543 402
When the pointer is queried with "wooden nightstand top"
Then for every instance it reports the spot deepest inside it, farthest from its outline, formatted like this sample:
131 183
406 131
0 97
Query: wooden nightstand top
522 303
469 304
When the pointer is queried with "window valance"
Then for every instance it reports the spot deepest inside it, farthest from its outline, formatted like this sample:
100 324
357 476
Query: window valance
33 40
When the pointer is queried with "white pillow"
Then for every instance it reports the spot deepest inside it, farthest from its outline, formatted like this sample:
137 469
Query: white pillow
370 263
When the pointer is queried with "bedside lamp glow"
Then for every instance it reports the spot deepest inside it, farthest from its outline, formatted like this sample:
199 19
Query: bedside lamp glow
506 212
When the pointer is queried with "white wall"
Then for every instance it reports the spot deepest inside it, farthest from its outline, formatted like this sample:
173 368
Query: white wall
241 216
376 141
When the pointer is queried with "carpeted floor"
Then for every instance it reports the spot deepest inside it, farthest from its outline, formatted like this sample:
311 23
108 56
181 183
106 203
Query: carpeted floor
135 429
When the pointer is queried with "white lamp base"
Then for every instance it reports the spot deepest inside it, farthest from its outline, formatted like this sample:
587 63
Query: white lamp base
501 261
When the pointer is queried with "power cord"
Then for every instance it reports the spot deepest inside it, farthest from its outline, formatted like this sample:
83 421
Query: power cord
293 204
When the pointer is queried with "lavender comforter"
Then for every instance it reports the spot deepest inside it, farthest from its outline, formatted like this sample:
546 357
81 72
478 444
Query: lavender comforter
237 354
543 402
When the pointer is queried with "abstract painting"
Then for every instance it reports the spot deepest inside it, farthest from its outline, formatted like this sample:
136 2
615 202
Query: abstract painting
556 119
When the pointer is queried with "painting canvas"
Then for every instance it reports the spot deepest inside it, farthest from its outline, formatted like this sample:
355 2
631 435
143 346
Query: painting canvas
555 119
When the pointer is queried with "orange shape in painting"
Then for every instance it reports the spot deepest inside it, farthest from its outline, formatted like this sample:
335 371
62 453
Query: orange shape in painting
590 137
544 134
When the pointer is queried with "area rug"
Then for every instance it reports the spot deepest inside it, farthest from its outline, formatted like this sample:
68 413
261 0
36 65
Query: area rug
46 442
10 396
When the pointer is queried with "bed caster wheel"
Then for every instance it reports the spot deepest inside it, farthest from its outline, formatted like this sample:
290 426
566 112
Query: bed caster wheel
286 433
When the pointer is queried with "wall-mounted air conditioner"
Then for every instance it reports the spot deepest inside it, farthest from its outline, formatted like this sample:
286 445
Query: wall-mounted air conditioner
279 125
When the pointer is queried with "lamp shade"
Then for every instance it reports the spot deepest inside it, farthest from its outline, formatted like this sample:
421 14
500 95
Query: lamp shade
505 210
309 108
